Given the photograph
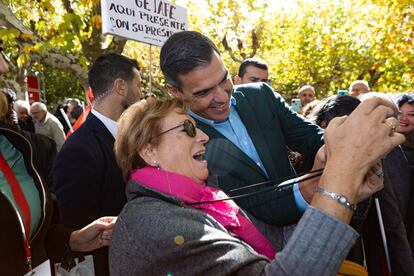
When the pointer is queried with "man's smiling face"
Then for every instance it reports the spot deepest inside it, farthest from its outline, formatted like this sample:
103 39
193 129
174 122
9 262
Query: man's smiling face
207 89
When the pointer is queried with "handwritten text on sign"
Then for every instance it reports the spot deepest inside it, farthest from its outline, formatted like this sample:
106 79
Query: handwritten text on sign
149 21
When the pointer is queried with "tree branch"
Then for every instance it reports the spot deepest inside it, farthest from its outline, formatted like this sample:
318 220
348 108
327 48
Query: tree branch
117 45
9 20
255 44
229 50
67 63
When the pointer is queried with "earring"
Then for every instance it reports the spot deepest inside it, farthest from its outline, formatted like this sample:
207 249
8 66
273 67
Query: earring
156 164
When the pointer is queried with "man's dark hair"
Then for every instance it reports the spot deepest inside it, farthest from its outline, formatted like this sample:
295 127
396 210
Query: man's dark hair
183 52
405 98
107 68
254 62
336 106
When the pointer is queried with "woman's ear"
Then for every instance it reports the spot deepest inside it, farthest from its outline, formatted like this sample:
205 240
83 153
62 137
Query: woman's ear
148 153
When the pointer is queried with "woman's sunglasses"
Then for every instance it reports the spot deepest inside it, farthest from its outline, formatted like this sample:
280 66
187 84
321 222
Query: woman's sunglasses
189 128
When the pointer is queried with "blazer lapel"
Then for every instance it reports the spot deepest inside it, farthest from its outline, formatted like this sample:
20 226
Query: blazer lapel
252 124
219 144
101 133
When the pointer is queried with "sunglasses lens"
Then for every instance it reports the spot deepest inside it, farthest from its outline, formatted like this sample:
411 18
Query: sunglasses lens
189 128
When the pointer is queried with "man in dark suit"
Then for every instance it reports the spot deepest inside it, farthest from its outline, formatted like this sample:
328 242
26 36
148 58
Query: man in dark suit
249 128
87 180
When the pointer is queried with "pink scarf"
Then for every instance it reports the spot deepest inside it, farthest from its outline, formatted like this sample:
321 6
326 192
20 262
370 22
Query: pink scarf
225 212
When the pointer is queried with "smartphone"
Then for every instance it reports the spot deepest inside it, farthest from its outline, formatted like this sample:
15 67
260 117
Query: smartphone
343 92
296 105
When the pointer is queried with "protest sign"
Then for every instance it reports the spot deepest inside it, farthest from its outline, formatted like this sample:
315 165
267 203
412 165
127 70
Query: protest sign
148 21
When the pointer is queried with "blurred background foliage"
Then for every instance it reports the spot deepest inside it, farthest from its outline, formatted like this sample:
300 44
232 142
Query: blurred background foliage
325 43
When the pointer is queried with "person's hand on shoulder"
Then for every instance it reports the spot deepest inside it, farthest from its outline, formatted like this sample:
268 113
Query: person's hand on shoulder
93 236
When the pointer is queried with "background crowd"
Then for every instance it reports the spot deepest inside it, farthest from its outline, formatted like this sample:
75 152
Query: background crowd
145 159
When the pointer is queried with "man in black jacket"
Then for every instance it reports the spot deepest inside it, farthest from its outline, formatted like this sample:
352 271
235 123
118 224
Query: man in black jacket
88 182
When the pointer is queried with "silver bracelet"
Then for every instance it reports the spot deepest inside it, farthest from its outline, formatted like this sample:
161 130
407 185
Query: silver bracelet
340 198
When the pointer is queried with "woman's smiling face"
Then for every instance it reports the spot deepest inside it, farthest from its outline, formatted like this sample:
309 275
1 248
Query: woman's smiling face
406 118
180 153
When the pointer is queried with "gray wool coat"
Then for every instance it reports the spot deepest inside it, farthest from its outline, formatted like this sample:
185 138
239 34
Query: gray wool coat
156 234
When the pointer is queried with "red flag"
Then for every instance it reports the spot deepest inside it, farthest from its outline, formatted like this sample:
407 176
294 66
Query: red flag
84 114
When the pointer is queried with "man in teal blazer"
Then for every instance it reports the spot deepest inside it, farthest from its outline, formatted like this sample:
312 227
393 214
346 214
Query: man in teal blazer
249 128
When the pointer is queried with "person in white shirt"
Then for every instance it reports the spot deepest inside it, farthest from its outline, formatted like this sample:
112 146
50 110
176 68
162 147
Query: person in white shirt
88 182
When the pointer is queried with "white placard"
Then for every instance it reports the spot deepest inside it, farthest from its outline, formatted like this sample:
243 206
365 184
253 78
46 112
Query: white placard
148 21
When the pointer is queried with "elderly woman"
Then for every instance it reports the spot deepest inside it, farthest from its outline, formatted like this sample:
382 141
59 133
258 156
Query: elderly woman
174 224
22 109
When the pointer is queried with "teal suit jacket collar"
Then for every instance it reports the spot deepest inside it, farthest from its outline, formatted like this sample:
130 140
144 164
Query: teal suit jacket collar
252 124
219 145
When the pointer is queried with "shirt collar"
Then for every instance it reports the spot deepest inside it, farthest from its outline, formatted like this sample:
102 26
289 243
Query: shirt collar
44 120
109 124
209 122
